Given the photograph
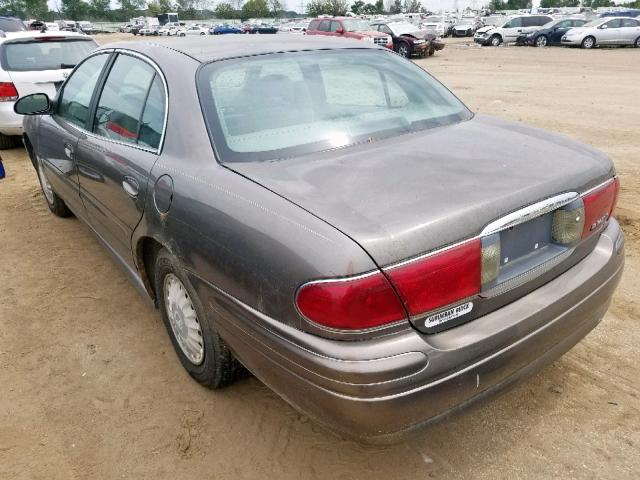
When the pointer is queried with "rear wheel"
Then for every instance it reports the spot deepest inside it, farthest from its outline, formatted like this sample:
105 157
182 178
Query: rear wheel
54 202
403 50
637 43
541 41
495 41
588 42
199 347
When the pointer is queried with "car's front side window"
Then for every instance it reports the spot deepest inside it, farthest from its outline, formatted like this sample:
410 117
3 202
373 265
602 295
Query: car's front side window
75 98
119 112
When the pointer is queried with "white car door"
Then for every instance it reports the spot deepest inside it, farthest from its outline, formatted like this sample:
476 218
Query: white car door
629 31
609 32
512 30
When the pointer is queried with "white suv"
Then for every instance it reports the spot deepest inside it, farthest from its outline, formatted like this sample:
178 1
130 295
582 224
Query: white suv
33 62
510 29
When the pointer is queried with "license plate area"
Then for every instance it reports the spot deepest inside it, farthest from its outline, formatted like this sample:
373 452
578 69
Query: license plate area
526 250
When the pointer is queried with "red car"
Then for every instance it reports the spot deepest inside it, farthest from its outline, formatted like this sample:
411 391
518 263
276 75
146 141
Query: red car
349 28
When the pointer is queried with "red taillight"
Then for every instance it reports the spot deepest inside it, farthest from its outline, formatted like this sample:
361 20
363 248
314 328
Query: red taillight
353 303
439 279
8 92
599 206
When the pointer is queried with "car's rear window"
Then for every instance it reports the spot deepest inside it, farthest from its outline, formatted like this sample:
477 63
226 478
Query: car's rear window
288 104
39 54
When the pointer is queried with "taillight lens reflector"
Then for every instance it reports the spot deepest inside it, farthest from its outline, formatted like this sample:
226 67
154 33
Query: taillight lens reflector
352 303
8 92
439 279
599 206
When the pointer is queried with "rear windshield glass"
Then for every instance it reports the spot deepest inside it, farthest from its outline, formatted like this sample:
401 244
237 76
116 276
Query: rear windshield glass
45 55
288 104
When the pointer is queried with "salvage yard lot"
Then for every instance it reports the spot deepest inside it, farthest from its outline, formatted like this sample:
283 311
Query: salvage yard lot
91 387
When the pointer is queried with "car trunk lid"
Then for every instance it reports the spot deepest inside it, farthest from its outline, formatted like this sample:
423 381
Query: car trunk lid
405 198
415 193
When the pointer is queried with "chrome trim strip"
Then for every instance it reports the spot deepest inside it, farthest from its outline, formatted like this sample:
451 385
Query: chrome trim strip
155 66
527 213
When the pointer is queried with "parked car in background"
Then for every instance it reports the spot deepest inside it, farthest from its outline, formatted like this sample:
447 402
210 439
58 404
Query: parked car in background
550 33
34 62
135 29
168 31
125 28
52 27
261 28
192 30
12 24
297 29
225 30
149 30
408 40
346 27
509 31
436 25
635 13
605 32
467 26
466 253
85 27
67 26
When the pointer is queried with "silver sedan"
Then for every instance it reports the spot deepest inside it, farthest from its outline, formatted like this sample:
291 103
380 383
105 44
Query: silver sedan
605 31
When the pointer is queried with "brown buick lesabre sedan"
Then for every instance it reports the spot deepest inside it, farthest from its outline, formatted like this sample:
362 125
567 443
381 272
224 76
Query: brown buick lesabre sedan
325 213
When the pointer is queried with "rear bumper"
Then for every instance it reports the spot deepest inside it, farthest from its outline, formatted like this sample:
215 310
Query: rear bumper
378 389
10 122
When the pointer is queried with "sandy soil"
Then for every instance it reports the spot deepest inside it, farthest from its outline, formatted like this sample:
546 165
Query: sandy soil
90 386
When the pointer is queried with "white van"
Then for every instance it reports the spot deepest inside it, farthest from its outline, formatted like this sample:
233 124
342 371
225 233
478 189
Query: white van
510 29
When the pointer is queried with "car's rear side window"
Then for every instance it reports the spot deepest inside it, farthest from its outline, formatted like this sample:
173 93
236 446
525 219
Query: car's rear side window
324 26
41 54
74 100
314 25
282 105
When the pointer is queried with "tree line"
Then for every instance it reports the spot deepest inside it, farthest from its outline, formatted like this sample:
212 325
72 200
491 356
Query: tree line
100 10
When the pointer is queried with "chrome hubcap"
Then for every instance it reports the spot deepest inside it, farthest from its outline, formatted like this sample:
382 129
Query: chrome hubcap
588 43
495 41
542 41
183 319
46 186
403 51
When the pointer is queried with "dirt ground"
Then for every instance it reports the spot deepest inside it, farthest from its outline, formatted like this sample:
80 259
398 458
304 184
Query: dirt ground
90 386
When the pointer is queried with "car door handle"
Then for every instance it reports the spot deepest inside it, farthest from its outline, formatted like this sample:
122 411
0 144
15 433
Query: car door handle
130 185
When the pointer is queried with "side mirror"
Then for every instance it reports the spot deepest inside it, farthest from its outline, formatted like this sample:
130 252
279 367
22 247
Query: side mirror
602 27
340 31
34 104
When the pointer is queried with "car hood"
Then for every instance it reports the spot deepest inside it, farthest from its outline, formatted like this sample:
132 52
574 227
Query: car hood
487 28
410 194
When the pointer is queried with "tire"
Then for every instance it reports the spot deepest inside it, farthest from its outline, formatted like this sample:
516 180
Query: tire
201 33
495 41
8 141
541 41
588 42
637 43
404 50
54 202
216 367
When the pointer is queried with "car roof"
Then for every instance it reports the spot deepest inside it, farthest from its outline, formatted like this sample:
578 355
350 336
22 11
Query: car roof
209 49
9 36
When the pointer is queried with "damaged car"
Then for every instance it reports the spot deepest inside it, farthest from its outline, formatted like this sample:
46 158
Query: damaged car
409 40
328 215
